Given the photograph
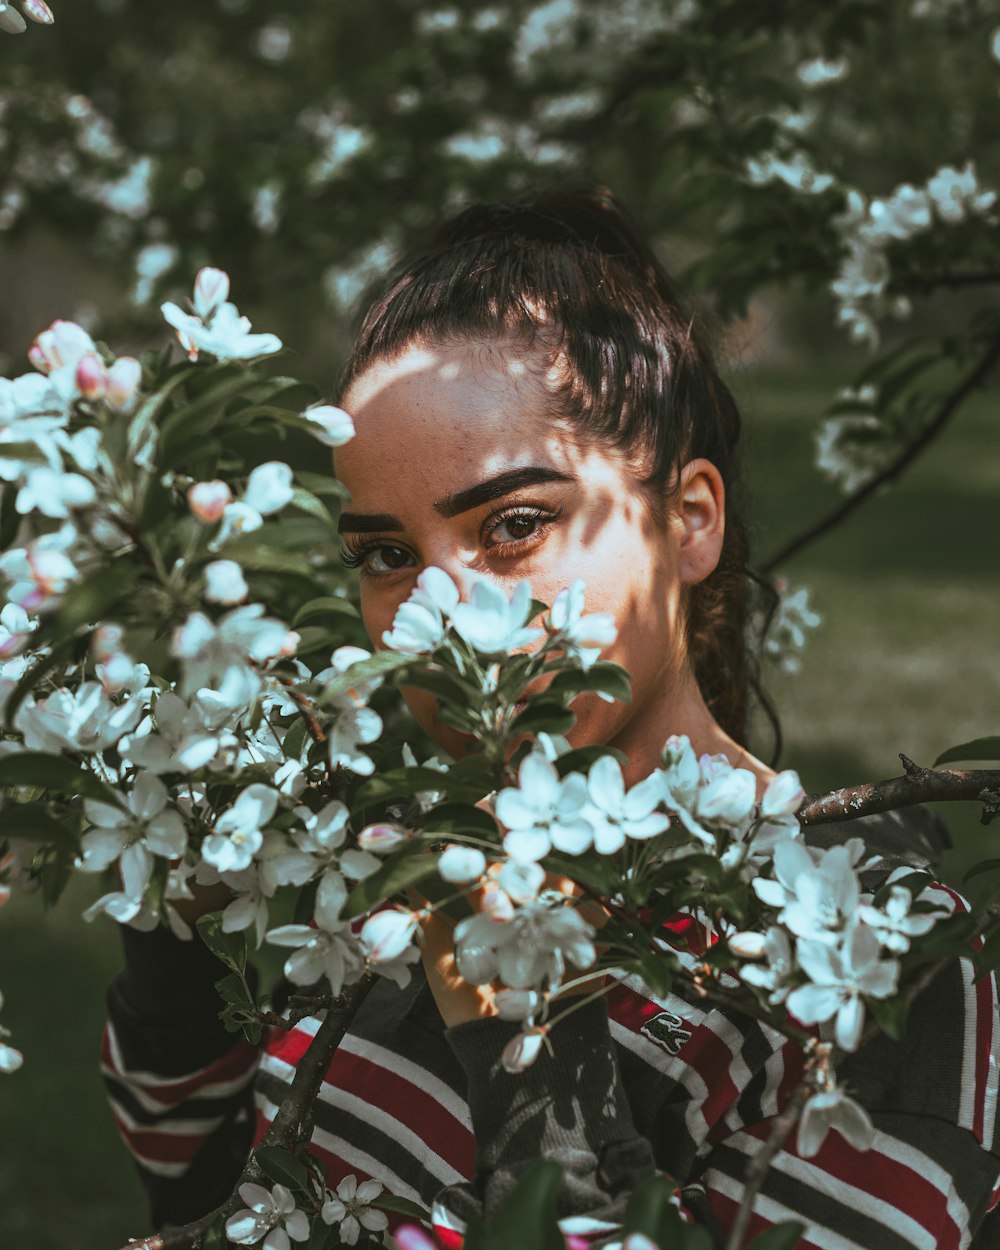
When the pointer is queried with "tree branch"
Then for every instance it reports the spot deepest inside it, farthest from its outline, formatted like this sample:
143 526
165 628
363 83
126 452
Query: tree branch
290 1129
919 785
972 381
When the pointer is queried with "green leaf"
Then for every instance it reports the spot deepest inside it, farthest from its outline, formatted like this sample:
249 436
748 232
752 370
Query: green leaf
89 600
781 1237
306 501
404 783
34 823
55 772
321 1236
231 948
265 557
984 866
544 717
322 608
461 818
401 1206
10 518
527 1219
581 758
988 956
295 739
283 1168
379 665
977 749
603 676
392 878
323 484
650 1211
315 638
890 1015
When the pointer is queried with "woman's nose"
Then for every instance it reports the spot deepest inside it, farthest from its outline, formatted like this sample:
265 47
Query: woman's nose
459 565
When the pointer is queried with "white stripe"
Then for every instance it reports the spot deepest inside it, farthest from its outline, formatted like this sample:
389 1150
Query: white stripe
170 1170
841 1191
221 1089
169 1128
350 1154
992 1072
967 1089
683 1073
442 1094
774 1212
380 1120
134 1077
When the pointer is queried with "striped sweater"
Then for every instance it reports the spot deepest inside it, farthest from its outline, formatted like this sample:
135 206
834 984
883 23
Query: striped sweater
636 1085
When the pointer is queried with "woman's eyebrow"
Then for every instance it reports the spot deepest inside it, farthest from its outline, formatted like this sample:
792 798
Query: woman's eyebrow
453 505
495 487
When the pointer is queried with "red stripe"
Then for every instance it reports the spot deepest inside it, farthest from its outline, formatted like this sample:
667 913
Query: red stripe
879 1175
240 1061
398 1097
162 1147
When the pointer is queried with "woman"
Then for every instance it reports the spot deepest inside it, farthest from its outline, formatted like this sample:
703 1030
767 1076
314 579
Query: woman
531 402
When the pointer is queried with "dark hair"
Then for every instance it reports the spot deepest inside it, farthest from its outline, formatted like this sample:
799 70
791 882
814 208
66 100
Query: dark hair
568 273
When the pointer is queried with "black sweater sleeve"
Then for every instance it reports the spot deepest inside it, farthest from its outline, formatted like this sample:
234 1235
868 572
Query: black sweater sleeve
179 1084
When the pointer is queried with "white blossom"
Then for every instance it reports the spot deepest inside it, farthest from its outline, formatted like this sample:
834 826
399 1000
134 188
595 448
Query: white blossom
956 193
490 623
332 426
543 811
225 583
461 865
839 977
134 836
224 334
422 620
327 950
615 814
238 834
778 967
534 944
522 1051
270 1218
269 487
816 891
832 1108
84 719
585 636
351 1209
894 924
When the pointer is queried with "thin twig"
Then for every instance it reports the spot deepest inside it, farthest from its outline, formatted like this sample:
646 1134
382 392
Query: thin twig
760 1163
291 1127
973 380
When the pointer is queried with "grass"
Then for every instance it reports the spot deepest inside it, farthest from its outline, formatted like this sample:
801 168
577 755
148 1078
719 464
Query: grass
905 661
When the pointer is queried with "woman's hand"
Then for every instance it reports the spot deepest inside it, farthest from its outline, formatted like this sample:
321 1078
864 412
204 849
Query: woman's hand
457 1000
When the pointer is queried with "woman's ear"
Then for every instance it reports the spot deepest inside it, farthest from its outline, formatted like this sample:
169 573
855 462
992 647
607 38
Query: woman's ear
701 509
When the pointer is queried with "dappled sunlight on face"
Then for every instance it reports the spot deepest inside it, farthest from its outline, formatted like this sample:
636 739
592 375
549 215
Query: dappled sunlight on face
457 463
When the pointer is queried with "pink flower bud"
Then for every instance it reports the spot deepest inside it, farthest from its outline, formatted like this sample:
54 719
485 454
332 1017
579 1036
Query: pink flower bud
290 643
107 642
124 378
60 346
211 288
522 1051
38 11
496 903
409 1237
382 838
208 500
388 933
91 377
51 571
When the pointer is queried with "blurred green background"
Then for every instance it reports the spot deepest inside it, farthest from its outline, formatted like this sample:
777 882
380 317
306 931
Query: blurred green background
302 146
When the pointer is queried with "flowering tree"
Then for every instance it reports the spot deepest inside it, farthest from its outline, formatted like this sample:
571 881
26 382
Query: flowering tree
185 701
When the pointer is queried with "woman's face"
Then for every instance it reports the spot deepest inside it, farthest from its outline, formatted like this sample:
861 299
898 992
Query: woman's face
456 463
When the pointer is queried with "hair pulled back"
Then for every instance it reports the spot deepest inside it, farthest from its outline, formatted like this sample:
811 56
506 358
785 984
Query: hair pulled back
567 274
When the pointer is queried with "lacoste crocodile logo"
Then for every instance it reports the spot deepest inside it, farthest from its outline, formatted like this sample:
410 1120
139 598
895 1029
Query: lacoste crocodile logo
667 1030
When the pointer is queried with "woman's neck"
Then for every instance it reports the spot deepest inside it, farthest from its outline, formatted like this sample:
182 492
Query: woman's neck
681 709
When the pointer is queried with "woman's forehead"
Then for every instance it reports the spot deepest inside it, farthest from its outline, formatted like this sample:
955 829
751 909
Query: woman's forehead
457 408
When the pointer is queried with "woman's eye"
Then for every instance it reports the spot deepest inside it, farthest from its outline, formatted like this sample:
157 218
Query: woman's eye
518 527
386 559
